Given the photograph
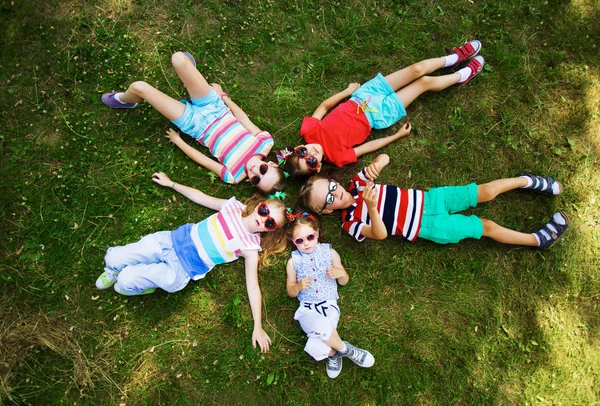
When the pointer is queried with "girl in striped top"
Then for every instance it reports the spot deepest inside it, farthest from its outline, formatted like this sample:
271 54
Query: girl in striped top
213 120
171 259
375 211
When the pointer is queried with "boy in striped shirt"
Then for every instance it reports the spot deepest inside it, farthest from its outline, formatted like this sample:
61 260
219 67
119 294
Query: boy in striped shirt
375 211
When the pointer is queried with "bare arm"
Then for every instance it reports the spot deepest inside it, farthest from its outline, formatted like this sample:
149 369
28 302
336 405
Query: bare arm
194 195
236 110
193 153
337 271
254 296
294 288
331 102
374 145
376 229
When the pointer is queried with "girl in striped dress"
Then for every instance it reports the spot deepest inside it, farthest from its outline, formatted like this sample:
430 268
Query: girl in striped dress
213 120
171 259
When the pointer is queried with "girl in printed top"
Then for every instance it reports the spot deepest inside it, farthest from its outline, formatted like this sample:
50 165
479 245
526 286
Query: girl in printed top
171 259
213 120
338 137
376 211
313 273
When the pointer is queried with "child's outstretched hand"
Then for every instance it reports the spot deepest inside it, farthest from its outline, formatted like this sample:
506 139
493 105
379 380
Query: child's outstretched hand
262 338
374 168
162 179
335 273
173 135
405 130
217 87
303 283
352 87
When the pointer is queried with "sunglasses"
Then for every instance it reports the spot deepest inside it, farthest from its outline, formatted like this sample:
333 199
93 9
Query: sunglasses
310 237
311 161
263 170
330 197
263 211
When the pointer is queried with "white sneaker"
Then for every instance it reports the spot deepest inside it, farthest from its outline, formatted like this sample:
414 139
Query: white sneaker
106 280
334 365
360 357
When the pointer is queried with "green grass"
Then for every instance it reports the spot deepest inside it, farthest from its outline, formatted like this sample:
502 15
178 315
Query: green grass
471 323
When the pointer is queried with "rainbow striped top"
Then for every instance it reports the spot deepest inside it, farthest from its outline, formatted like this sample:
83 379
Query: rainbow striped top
233 145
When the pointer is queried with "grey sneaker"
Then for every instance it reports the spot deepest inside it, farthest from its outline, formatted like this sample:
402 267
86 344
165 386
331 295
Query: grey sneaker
334 365
106 280
360 357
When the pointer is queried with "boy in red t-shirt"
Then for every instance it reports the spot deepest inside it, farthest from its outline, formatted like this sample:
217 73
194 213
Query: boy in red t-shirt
339 137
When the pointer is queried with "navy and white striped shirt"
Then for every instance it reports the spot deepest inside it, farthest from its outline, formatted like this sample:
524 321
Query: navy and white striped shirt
401 210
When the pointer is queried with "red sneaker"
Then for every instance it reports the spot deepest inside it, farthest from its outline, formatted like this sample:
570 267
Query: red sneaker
476 65
465 52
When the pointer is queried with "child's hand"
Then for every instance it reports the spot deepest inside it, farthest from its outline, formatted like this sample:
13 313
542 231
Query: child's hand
374 168
172 135
162 179
335 273
217 87
303 283
405 130
262 338
370 195
352 87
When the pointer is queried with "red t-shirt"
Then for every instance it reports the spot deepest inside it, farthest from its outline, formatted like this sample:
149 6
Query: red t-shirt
338 132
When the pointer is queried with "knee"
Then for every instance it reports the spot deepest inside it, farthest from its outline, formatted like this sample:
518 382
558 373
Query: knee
140 88
418 69
489 227
486 192
178 59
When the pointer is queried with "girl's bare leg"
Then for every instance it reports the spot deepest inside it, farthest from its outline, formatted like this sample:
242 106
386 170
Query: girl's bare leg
166 105
403 77
506 236
194 82
426 84
335 342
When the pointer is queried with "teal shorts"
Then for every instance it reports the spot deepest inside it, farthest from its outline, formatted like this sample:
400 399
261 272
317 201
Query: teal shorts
383 106
440 224
200 113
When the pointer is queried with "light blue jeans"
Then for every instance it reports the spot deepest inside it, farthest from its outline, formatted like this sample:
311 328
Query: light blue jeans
149 263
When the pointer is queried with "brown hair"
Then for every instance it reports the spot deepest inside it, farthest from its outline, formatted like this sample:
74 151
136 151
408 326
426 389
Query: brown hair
308 219
328 169
272 242
305 195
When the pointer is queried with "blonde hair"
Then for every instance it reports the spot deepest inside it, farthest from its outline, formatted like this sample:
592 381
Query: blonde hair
272 242
305 195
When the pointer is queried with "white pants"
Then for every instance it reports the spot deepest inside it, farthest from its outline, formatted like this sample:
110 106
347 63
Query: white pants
318 320
149 263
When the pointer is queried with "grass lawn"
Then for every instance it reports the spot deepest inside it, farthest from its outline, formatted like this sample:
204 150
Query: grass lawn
471 323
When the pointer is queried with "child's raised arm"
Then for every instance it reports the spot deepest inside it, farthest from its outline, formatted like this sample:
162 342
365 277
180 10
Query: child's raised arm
193 153
194 195
292 286
236 110
254 296
331 102
374 145
337 271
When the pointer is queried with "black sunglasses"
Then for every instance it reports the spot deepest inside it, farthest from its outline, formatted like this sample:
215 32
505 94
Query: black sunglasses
311 161
263 211
263 170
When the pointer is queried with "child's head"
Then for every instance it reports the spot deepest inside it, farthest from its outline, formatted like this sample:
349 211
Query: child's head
302 161
323 195
267 216
303 230
266 176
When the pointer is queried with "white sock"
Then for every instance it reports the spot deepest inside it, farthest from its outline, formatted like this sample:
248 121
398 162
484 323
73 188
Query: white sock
529 181
118 98
450 59
537 239
344 350
464 74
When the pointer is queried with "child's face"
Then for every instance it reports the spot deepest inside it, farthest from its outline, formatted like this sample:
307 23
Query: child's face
262 174
265 218
324 191
312 151
305 238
